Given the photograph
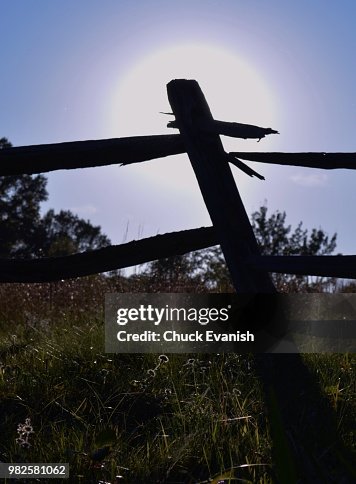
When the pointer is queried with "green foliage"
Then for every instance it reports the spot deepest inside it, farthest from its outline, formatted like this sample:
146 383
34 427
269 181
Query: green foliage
172 273
20 222
211 267
207 268
66 234
275 237
25 234
182 418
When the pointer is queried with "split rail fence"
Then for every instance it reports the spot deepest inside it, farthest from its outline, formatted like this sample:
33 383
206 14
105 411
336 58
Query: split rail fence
290 401
199 138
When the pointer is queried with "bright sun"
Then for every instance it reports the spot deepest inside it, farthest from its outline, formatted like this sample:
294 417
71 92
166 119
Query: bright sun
233 89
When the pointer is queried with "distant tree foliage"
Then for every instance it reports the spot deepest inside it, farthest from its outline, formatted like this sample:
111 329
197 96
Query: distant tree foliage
20 220
172 273
25 234
65 233
275 237
207 268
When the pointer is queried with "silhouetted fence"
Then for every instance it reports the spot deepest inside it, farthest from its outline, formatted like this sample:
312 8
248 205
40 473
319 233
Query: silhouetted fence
199 138
298 419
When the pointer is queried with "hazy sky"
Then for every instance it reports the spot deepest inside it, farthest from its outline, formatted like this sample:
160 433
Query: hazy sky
92 70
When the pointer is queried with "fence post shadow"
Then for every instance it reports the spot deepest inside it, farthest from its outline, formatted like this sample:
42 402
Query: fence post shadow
303 428
303 423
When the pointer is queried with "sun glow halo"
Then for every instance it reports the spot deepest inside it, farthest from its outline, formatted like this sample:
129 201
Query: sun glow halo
233 89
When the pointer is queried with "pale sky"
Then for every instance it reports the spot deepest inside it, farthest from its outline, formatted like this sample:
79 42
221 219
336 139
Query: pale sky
94 70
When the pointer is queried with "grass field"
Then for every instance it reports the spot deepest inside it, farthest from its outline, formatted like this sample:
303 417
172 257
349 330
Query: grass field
135 418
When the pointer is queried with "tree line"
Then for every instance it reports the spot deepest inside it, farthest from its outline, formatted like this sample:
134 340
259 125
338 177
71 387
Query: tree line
207 267
25 233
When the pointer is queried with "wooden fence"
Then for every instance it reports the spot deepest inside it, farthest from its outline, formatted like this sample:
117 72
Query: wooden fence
199 137
303 427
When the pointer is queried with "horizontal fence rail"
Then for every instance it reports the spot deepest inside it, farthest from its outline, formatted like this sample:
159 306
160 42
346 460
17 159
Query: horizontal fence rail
45 158
162 246
107 259
326 161
84 154
199 138
308 265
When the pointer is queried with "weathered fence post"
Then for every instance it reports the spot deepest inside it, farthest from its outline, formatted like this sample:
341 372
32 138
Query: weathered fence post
217 185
